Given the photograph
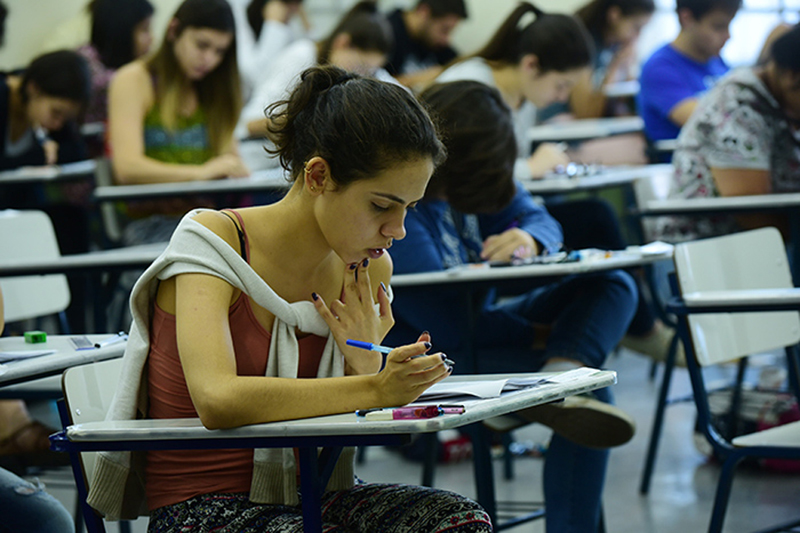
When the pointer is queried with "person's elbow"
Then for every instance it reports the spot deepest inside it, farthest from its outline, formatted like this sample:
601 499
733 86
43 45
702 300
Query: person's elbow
215 406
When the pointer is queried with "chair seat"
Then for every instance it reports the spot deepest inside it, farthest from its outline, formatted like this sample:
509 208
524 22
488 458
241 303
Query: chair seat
787 436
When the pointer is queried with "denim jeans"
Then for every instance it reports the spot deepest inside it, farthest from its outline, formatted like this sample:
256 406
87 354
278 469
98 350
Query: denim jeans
27 507
589 314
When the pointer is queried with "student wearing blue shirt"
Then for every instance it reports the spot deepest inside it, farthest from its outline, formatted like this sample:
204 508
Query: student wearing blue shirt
474 211
678 73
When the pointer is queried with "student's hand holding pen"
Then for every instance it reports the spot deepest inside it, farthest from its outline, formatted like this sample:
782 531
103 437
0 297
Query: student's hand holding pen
409 371
546 158
353 316
513 243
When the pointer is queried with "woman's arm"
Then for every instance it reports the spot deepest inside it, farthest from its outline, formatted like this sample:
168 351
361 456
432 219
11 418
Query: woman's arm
745 182
224 399
130 96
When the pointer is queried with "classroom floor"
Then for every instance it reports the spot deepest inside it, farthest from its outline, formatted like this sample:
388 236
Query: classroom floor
682 487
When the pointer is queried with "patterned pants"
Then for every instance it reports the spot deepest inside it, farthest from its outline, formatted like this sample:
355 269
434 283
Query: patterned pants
367 508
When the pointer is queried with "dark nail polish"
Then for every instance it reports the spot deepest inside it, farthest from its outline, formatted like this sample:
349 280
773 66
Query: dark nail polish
353 266
365 264
427 346
384 287
450 369
315 296
444 357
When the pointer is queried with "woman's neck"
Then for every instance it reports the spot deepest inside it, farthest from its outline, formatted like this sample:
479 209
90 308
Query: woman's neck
19 122
509 83
293 230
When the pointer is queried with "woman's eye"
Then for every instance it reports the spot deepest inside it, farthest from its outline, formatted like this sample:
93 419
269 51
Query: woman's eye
379 208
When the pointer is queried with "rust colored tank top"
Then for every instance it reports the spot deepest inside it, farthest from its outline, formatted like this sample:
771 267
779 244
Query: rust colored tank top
176 476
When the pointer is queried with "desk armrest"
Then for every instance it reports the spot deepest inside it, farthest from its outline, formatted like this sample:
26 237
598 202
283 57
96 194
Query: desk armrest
741 298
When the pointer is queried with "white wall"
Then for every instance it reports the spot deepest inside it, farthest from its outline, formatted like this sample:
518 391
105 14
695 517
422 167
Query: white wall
36 26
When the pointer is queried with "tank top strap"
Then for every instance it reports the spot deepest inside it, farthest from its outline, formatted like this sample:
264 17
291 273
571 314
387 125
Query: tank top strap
244 243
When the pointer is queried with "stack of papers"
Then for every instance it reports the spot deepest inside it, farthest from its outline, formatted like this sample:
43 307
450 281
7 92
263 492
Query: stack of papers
485 389
23 354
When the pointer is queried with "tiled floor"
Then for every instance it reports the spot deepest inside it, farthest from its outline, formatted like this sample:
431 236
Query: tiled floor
683 483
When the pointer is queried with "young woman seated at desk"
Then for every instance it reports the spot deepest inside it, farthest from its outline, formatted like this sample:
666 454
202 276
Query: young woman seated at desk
172 115
244 302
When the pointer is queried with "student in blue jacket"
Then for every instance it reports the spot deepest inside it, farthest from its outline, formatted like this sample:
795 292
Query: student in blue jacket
474 211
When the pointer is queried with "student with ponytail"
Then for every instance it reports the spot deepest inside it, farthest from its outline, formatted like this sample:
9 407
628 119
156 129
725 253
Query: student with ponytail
532 66
615 26
244 302
360 42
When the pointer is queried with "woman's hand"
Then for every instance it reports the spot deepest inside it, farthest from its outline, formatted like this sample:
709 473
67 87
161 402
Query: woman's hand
546 158
224 166
353 316
513 243
409 372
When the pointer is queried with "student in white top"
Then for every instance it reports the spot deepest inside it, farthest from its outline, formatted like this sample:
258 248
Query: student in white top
263 29
532 66
360 43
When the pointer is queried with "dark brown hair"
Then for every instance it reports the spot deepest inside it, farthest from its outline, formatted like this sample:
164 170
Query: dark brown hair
360 126
594 15
560 42
368 28
784 51
113 23
59 74
442 8
478 132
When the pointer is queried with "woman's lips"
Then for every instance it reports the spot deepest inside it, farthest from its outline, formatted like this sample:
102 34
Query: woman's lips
375 253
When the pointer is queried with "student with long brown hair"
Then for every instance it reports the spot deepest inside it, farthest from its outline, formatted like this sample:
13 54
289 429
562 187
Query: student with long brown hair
172 116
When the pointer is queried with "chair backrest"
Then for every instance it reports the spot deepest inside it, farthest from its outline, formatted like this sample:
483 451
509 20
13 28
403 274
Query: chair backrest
112 225
653 187
748 260
88 390
30 235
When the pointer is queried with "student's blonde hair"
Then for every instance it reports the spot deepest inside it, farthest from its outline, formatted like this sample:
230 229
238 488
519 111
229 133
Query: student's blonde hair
219 92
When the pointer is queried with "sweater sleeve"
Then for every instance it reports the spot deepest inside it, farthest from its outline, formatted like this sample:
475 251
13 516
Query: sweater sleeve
525 213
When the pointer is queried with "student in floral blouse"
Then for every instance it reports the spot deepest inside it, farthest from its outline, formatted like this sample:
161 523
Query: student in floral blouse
743 139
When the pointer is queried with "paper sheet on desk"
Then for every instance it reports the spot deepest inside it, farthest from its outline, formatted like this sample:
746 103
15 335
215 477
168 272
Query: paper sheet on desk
485 389
23 354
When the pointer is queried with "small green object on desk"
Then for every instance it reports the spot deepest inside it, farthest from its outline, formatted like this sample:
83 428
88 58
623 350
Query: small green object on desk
35 337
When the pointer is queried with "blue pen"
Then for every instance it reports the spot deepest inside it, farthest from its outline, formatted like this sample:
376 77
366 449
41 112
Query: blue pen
382 349
369 346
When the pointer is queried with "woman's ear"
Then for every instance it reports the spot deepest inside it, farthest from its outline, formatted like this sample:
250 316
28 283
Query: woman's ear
530 63
613 16
172 29
317 175
341 42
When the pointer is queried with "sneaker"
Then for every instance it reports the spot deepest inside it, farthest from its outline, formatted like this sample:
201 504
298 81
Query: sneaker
580 419
656 345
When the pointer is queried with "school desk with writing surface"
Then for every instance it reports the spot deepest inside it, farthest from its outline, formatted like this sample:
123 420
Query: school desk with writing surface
50 173
584 129
270 181
61 354
784 203
111 261
329 432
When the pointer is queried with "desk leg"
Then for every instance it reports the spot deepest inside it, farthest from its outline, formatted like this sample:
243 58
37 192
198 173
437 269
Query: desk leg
311 490
484 474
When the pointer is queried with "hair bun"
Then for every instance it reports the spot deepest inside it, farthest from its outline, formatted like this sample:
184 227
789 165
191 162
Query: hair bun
322 78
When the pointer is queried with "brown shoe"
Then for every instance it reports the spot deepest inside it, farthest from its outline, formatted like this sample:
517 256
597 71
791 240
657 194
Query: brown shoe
580 419
29 446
